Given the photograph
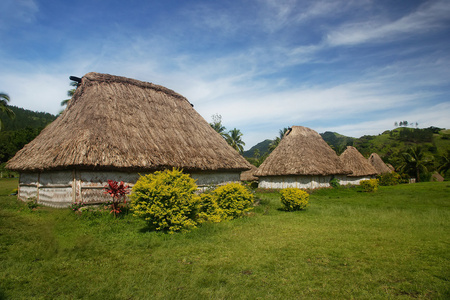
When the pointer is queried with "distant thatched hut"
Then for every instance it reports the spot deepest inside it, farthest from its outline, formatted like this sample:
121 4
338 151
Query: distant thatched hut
379 165
249 175
302 160
115 128
360 168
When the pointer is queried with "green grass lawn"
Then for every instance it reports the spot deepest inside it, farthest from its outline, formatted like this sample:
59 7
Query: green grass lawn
394 243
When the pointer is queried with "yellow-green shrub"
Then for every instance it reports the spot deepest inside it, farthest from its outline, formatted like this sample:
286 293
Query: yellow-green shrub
233 199
209 210
370 185
391 178
166 200
294 199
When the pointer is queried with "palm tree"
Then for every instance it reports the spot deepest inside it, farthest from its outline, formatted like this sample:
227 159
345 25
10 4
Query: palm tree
4 99
217 125
414 161
70 93
234 139
278 139
444 161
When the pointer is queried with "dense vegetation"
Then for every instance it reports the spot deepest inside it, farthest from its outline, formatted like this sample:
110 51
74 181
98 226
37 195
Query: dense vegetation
19 131
392 145
384 245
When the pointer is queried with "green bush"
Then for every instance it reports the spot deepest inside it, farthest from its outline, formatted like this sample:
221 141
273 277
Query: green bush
166 200
335 183
233 199
294 199
387 179
370 185
209 210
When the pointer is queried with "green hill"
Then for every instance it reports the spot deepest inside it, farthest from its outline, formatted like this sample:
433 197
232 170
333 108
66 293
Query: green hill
262 147
20 131
390 145
25 119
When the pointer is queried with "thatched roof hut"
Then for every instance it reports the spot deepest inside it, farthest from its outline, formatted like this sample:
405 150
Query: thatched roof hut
118 124
379 165
360 168
302 159
249 175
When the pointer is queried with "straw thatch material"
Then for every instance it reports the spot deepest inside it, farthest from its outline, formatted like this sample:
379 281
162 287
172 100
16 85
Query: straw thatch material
302 159
437 177
379 165
248 175
302 151
357 163
360 168
118 123
115 128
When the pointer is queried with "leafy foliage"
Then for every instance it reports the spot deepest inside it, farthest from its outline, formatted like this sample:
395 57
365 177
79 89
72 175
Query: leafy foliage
166 200
369 186
234 139
335 183
117 191
21 130
4 99
209 209
388 179
414 162
233 199
217 125
294 199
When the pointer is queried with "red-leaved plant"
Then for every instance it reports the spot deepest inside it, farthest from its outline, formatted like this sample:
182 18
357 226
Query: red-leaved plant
117 191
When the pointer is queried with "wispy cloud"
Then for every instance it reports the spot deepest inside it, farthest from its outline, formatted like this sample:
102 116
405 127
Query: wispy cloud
15 12
263 64
429 16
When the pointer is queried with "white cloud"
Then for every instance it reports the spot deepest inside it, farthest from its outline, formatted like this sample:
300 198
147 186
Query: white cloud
431 15
36 91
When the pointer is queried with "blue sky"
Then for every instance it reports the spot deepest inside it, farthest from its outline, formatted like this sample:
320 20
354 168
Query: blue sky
353 67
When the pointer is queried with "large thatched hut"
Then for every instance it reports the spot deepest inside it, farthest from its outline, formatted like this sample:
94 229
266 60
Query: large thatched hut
379 165
116 128
302 160
359 166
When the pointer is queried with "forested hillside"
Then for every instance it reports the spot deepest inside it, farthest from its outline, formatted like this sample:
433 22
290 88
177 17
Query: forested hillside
20 131
433 144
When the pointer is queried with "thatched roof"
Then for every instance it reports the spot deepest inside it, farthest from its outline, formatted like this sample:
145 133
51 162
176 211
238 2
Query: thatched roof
301 151
249 175
118 123
379 165
357 163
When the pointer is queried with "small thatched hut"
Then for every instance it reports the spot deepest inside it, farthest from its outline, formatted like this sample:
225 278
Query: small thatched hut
249 175
379 165
301 160
115 128
360 168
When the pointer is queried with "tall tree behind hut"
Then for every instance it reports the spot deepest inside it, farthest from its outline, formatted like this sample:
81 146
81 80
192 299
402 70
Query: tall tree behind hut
217 125
414 162
70 94
4 99
277 140
234 139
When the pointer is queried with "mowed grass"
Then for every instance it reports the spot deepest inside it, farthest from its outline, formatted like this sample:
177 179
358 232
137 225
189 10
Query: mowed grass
390 244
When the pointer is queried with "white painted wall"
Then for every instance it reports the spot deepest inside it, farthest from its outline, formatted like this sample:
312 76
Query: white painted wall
300 182
352 180
62 188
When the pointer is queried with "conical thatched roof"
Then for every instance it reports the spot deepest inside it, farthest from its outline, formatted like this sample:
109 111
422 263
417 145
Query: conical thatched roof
302 151
117 123
248 175
379 165
357 163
